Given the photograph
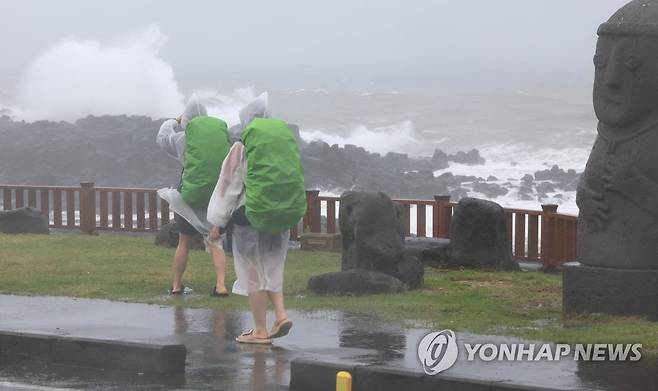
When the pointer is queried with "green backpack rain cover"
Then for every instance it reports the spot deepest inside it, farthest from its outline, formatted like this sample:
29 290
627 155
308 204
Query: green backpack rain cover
206 146
276 197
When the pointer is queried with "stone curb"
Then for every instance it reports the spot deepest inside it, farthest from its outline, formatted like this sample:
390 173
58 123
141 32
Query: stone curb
94 353
314 375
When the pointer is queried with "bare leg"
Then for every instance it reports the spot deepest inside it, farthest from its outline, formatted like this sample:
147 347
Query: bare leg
277 302
219 260
180 261
258 303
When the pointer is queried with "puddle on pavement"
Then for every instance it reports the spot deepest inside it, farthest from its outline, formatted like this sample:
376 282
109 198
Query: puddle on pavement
215 361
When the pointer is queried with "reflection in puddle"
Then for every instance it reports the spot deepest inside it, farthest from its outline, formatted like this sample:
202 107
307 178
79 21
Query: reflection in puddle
363 332
216 361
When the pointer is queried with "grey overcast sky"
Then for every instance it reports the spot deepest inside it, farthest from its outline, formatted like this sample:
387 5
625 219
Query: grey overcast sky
303 41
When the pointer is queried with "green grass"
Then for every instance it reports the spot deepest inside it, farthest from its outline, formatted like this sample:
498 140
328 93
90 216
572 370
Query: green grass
133 269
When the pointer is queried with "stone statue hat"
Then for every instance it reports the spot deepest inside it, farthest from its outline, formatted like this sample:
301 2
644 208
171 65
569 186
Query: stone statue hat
639 17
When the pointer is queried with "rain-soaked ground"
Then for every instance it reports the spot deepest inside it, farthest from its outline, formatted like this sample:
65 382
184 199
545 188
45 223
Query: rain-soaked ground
215 361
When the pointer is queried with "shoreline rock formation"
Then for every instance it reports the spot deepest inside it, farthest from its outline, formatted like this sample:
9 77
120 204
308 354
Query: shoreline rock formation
120 151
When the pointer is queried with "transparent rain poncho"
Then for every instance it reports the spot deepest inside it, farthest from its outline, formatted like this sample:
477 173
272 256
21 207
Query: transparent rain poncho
259 260
259 257
171 138
255 109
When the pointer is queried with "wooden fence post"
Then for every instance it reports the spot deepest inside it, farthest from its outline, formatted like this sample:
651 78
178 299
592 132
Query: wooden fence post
87 208
312 219
331 216
441 215
548 237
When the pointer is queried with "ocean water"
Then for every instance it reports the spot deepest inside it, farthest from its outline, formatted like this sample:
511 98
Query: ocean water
518 132
520 123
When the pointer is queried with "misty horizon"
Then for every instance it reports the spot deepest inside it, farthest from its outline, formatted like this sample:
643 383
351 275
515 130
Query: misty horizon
513 79
342 45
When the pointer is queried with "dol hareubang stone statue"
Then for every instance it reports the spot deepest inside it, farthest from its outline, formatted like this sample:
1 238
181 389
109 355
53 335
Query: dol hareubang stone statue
618 192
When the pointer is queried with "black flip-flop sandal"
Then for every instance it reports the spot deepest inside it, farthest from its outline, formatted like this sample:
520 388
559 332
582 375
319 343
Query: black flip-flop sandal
214 293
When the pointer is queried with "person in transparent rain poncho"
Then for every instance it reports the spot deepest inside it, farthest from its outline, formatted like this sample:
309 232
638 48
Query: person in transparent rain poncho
190 221
259 257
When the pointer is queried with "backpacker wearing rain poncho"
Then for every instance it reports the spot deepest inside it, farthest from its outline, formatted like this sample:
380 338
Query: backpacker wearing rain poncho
172 138
206 145
275 197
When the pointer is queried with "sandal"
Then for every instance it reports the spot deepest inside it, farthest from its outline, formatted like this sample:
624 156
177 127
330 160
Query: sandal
281 328
214 293
249 338
184 290
172 292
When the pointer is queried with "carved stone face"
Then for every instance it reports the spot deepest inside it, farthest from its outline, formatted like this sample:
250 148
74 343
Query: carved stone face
626 78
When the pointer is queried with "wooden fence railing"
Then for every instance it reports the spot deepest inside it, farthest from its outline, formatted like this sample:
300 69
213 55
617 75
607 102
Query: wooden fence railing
544 235
90 208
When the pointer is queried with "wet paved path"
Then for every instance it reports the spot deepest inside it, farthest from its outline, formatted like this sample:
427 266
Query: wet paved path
215 361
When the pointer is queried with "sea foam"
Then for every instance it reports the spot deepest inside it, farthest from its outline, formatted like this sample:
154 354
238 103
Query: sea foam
75 78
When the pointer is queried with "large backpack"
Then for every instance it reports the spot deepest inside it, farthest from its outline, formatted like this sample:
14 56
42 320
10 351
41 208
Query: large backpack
206 146
275 196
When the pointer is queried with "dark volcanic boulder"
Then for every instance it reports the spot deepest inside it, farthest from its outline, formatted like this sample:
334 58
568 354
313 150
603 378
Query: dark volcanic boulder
433 252
411 271
373 236
471 157
373 232
440 159
23 221
478 236
355 282
168 237
491 190
373 241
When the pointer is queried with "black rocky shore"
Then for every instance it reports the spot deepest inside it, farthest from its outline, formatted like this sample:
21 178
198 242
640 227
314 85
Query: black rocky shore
121 151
